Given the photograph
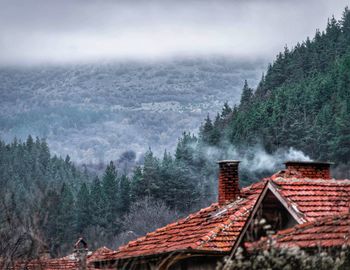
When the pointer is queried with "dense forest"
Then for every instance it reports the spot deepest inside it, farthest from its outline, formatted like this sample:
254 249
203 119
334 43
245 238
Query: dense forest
46 202
303 102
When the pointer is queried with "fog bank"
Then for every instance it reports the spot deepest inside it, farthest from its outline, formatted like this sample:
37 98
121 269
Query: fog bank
42 31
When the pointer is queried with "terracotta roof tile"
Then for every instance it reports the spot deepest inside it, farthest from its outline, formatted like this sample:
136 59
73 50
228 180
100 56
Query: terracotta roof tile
328 231
211 229
316 198
216 228
68 262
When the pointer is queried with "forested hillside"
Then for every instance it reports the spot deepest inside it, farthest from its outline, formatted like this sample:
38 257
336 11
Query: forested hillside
95 112
302 103
46 202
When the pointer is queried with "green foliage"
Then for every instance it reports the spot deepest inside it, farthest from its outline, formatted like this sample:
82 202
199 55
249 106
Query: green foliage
83 208
110 191
124 195
288 259
302 101
65 215
97 199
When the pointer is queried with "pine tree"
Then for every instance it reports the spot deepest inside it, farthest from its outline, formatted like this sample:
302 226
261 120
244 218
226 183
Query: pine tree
138 191
30 143
66 214
97 201
151 175
83 212
185 148
226 110
124 195
110 191
206 131
246 97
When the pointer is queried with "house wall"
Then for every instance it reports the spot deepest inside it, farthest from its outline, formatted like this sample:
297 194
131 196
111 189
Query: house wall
189 263
275 215
196 263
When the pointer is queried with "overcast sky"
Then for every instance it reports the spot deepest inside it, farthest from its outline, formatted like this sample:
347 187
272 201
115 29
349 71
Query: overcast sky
59 31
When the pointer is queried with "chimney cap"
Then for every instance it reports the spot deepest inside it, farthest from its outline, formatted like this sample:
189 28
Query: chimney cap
228 161
289 162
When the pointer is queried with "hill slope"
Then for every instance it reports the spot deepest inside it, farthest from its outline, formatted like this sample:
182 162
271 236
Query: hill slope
303 101
96 112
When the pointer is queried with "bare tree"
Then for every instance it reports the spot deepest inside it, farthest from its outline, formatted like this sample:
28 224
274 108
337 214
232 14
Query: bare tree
145 216
19 237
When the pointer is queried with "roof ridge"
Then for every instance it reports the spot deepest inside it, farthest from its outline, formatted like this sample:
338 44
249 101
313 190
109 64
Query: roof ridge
309 180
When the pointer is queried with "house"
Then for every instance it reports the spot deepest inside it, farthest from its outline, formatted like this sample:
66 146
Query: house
300 195
302 203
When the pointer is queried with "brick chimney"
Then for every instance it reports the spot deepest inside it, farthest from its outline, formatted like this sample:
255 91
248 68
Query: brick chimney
310 169
228 181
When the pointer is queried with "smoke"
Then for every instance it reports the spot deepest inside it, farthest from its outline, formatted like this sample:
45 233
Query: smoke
255 161
43 31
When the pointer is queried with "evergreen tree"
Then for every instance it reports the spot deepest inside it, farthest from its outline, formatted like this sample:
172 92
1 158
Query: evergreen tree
66 214
124 195
206 131
83 212
30 143
97 201
151 175
226 110
138 190
246 97
110 191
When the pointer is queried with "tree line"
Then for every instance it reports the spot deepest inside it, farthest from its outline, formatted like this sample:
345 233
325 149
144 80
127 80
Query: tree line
303 101
54 202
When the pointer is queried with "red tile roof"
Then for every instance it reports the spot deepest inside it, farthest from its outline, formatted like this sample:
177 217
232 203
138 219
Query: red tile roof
216 229
315 198
99 253
48 264
69 262
212 229
331 231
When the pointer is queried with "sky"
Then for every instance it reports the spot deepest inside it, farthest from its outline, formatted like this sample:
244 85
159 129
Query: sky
48 31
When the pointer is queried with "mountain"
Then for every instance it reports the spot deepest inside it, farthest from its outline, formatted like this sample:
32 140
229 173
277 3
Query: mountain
96 112
303 101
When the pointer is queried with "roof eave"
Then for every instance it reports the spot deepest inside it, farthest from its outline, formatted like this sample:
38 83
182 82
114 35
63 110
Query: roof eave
167 253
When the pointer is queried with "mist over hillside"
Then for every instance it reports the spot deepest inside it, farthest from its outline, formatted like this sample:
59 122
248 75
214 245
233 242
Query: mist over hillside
96 112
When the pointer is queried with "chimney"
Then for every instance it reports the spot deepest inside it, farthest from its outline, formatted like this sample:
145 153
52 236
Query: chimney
228 181
310 169
44 253
80 252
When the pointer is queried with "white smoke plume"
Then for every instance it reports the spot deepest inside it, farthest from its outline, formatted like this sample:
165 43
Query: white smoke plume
256 159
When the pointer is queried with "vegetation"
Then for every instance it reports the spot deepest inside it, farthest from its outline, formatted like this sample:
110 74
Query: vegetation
303 101
292 258
52 203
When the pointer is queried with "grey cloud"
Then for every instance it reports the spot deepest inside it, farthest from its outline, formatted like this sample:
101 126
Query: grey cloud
38 31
